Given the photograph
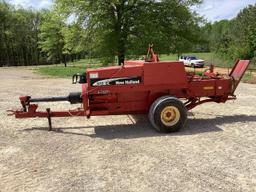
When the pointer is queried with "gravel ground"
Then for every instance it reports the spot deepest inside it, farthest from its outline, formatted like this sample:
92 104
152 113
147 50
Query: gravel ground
216 151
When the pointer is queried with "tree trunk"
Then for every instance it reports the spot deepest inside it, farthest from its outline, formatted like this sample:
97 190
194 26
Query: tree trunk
65 60
13 56
121 57
121 33
6 46
179 54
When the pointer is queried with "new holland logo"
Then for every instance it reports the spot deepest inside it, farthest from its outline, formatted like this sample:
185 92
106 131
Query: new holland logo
116 81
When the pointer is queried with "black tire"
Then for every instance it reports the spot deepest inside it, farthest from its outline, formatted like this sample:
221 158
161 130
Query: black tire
158 107
192 65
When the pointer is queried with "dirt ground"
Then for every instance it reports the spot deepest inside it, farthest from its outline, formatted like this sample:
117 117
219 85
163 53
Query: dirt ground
216 151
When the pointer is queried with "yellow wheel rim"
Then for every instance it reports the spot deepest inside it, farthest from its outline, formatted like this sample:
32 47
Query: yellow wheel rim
170 115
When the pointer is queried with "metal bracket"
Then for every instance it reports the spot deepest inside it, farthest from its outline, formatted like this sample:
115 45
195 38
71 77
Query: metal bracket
79 78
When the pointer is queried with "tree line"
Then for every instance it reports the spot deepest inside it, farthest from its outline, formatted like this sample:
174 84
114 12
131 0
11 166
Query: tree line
233 39
120 29
18 36
30 37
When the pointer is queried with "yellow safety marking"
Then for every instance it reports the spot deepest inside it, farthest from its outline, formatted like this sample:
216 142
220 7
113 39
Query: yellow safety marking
209 88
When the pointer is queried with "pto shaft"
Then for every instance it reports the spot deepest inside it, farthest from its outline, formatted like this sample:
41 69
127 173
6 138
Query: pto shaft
49 99
73 98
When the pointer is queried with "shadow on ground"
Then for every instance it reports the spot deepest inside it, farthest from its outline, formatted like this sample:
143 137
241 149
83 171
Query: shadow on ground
142 128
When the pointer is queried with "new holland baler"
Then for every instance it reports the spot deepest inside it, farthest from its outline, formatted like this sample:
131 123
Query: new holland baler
163 90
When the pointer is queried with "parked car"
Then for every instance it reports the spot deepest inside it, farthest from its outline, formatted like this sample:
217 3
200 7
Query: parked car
192 61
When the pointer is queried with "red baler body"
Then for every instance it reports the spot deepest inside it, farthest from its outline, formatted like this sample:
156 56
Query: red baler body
133 87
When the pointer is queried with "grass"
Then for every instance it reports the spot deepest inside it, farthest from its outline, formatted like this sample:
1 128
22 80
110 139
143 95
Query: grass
249 77
59 70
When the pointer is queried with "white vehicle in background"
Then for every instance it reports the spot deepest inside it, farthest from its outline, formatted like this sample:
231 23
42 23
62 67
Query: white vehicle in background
192 61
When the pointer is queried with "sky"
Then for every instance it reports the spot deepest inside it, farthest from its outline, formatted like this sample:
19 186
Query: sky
215 10
212 10
36 4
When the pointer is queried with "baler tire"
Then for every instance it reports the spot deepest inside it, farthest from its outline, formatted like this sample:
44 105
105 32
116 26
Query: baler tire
152 112
157 108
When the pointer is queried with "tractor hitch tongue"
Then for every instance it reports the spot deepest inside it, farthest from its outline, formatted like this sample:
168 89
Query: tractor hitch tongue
29 109
163 90
73 98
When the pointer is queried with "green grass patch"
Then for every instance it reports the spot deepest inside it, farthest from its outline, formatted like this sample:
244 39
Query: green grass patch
170 57
249 77
59 70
